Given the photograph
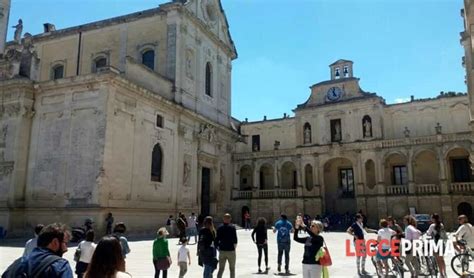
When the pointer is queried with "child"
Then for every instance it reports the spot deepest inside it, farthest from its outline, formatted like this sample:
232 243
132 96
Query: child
183 257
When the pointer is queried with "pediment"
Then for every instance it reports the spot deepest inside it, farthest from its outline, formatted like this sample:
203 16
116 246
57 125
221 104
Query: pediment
211 13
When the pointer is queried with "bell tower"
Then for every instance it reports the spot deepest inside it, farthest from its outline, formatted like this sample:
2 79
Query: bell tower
341 69
4 13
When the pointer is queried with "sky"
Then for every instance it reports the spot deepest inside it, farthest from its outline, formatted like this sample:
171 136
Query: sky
399 47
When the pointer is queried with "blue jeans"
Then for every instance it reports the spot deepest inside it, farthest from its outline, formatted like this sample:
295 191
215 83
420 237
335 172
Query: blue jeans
208 270
284 247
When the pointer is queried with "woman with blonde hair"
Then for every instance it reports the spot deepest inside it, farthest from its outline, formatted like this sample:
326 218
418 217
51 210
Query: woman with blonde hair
312 244
107 261
161 253
411 233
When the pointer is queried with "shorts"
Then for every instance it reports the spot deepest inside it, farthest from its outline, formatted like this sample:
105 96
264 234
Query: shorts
381 257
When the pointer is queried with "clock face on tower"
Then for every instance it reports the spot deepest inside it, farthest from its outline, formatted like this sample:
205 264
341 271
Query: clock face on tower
334 93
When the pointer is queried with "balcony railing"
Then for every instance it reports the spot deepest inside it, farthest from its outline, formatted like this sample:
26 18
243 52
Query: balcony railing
462 187
266 194
397 189
427 189
244 195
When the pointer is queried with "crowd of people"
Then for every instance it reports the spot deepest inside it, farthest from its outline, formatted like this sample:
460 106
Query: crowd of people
216 248
389 230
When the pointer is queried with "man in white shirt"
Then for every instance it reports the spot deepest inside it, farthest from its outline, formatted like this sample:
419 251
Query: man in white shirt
32 243
465 232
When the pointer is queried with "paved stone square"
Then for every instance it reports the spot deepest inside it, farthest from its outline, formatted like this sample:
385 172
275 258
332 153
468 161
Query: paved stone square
139 260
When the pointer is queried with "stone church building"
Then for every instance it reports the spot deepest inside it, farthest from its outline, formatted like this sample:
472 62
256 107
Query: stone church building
132 115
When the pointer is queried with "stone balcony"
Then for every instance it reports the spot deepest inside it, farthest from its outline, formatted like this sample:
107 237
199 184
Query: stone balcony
266 194
428 189
391 190
462 187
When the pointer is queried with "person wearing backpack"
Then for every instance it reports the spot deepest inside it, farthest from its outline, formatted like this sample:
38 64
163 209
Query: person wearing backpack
284 228
45 261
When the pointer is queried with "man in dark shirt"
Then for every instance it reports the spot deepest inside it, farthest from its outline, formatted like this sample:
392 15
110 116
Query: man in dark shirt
226 242
358 231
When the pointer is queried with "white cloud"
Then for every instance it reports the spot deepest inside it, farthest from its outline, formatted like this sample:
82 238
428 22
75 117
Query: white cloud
402 100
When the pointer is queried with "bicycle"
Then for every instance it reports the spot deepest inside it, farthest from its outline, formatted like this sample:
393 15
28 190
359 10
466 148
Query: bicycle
428 264
463 263
395 265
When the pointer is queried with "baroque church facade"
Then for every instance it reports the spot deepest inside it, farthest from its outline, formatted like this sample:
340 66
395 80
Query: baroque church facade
132 115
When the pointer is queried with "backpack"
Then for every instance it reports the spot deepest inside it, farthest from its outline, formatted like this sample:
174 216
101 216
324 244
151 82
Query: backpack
19 268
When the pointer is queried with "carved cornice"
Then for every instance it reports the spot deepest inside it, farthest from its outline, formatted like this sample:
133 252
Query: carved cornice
378 145
6 168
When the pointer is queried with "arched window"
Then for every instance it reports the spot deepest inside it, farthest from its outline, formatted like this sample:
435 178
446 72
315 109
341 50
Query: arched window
99 62
148 59
156 163
367 126
58 72
208 79
307 133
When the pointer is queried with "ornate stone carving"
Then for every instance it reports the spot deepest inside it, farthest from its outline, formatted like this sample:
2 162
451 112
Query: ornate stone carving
207 132
186 171
406 132
222 178
6 168
3 138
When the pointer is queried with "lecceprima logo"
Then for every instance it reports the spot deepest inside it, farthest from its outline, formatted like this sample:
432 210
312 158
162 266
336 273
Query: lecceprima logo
362 248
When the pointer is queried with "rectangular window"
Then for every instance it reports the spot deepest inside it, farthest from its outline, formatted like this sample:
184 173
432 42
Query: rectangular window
336 131
400 175
461 170
347 182
255 143
159 121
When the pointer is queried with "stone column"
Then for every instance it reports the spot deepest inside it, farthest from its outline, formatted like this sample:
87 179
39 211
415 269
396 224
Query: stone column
236 185
276 174
358 180
4 14
256 176
380 173
443 183
316 176
411 177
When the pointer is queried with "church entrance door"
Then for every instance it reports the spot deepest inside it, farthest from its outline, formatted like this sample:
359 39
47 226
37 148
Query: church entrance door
205 191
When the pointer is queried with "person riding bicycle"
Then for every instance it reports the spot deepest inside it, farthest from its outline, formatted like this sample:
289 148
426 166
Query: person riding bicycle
384 237
465 232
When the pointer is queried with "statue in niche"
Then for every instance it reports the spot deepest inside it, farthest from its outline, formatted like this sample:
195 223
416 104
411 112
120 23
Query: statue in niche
337 131
4 135
189 65
18 31
222 178
186 172
406 132
367 128
307 135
